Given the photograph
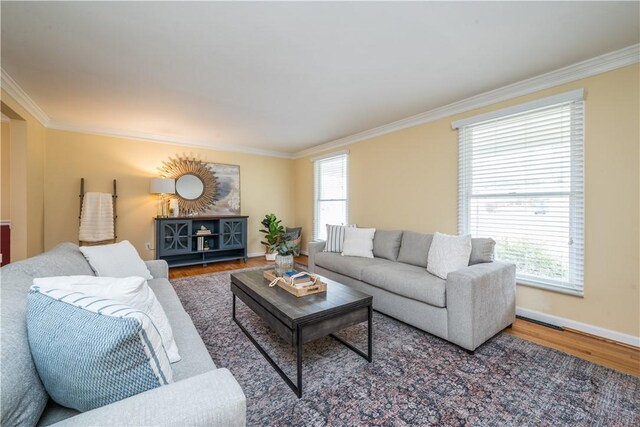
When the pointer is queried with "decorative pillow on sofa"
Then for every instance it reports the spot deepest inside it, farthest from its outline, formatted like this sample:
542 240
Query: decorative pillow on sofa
116 260
386 244
358 242
335 237
482 250
414 249
448 253
92 351
133 291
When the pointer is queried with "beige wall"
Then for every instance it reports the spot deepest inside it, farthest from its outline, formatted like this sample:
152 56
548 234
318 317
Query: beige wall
26 181
5 172
408 180
265 184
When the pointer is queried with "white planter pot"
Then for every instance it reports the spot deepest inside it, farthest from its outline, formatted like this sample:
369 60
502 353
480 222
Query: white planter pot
270 256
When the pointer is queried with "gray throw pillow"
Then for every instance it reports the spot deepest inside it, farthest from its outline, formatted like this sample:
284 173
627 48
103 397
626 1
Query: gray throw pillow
294 232
482 250
415 248
386 244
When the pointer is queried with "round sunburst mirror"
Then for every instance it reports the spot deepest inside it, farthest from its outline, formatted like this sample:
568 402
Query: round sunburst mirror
196 184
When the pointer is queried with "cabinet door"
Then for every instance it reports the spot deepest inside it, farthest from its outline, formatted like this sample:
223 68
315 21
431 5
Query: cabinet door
175 237
232 233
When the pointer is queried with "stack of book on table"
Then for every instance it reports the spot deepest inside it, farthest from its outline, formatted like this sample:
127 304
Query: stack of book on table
302 280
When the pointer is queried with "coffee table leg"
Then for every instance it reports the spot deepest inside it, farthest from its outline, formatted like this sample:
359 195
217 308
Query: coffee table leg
297 388
299 361
369 355
370 335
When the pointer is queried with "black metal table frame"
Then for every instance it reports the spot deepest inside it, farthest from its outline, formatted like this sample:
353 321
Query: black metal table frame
297 388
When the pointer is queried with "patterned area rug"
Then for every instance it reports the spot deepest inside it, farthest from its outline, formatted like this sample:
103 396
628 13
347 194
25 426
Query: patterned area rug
415 378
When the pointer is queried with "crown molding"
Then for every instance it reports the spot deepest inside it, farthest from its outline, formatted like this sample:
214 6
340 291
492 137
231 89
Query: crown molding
601 64
164 139
23 98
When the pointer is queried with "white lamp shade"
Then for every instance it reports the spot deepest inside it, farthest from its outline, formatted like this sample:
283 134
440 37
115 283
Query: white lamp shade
162 186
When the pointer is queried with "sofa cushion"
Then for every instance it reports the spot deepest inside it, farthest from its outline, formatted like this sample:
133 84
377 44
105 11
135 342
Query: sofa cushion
386 244
407 280
482 250
63 260
347 265
448 254
23 396
93 351
195 357
358 242
116 260
415 248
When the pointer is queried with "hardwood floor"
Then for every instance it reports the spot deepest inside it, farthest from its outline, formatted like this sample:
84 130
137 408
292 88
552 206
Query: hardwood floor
612 354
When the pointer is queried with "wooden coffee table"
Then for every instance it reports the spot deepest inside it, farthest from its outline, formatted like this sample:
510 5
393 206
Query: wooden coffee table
299 320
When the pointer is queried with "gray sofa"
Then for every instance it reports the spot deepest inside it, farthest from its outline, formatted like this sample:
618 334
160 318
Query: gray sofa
201 395
469 307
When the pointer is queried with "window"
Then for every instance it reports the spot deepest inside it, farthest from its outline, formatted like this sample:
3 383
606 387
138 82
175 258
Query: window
521 181
330 195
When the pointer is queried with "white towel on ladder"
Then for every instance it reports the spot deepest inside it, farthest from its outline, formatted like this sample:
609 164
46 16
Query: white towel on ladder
96 220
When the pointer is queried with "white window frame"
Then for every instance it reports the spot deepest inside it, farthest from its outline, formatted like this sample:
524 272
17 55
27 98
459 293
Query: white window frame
316 201
575 285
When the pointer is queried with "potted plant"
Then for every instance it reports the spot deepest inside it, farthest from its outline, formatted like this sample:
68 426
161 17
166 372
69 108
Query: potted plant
285 250
272 231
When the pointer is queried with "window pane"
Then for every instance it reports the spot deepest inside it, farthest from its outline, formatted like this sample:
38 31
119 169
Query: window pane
531 232
333 179
334 213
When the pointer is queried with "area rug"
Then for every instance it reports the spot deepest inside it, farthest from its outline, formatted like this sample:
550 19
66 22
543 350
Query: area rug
415 378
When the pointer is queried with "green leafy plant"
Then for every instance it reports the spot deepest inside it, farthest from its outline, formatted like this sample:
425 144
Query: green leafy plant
272 230
285 246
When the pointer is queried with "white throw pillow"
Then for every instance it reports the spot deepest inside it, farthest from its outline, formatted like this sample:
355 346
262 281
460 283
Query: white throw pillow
133 291
448 253
335 237
358 242
116 260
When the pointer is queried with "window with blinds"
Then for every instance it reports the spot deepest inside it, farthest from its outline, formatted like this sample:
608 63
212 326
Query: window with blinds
331 199
521 182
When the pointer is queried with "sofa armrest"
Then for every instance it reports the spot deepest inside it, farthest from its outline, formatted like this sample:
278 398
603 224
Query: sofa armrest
159 268
210 399
481 301
314 248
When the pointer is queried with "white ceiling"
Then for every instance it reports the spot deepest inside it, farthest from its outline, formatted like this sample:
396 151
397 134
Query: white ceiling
287 76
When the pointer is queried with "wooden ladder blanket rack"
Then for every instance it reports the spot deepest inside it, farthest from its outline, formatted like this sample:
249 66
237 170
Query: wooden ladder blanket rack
114 196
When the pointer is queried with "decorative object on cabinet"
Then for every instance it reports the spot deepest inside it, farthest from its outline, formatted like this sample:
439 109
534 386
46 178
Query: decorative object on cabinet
196 184
174 208
272 231
201 239
162 186
228 195
97 217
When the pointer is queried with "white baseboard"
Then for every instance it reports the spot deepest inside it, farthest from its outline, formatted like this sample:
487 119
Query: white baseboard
579 326
305 253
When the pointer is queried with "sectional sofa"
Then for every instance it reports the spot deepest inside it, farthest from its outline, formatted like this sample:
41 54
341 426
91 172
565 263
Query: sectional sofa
468 308
201 394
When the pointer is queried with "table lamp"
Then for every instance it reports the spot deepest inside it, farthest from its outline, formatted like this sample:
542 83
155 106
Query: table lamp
162 186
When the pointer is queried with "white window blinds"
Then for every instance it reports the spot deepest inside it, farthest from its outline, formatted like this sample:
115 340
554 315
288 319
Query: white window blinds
521 181
331 200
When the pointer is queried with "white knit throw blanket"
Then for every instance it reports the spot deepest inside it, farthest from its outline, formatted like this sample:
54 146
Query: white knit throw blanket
96 220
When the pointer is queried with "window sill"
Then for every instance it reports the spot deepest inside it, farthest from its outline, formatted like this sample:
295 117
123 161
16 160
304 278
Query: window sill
548 287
